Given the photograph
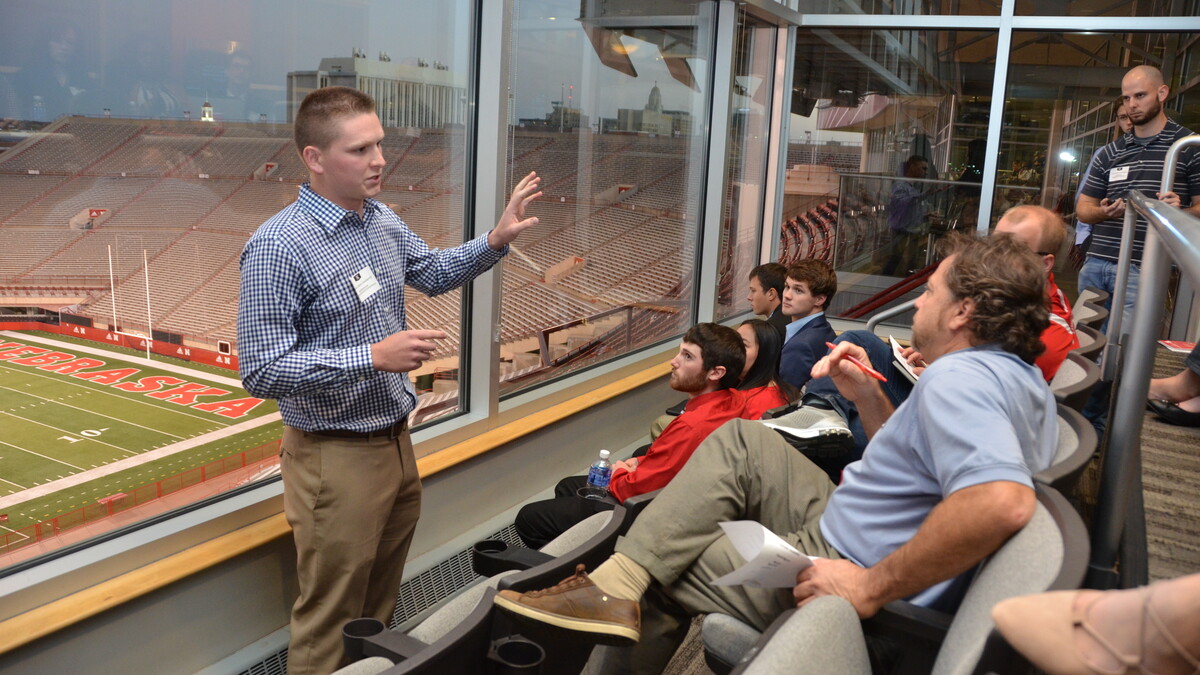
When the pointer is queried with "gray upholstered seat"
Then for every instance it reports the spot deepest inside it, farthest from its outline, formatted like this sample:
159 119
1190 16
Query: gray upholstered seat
372 665
442 622
1076 445
1091 341
1073 382
448 615
1089 314
1049 553
831 634
1092 295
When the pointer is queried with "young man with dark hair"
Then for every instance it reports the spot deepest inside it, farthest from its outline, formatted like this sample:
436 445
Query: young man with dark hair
766 294
707 369
810 287
943 485
322 328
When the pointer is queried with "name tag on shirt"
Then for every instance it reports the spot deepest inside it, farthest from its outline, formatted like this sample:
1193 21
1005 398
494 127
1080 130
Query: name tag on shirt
1118 173
365 284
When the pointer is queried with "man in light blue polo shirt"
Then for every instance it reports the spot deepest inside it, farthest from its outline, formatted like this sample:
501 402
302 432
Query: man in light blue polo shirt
944 482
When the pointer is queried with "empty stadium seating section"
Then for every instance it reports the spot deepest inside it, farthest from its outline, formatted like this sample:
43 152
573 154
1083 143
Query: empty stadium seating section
189 194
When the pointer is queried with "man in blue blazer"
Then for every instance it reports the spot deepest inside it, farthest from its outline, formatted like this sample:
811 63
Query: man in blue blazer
809 289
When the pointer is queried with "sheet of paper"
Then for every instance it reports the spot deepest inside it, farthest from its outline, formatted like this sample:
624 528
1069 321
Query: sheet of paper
773 563
898 357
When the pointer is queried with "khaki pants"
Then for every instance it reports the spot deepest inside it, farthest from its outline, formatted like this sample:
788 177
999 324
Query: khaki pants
352 505
742 471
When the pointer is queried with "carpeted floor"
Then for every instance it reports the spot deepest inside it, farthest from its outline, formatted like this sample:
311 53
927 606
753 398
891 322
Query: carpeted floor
1171 483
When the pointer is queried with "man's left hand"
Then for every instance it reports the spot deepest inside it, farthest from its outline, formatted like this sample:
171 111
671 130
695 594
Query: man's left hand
1169 198
836 577
513 221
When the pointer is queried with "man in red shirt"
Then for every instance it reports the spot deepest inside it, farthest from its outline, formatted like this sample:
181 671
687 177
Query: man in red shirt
1042 230
707 369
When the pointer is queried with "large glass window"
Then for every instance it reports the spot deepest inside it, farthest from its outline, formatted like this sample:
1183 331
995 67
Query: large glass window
610 106
886 153
141 143
746 180
1060 107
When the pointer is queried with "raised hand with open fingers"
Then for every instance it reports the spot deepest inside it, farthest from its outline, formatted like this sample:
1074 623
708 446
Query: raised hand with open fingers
513 221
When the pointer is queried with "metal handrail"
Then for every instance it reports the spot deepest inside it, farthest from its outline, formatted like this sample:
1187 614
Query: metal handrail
1170 234
878 317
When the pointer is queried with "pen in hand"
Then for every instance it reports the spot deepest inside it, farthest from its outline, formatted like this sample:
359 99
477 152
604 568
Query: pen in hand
861 366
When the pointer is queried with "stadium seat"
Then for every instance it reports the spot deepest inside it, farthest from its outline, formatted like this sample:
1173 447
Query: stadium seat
1050 553
827 630
1091 341
1089 314
1093 295
1076 446
1073 382
452 637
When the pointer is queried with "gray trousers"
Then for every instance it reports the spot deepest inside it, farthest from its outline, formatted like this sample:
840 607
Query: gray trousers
742 471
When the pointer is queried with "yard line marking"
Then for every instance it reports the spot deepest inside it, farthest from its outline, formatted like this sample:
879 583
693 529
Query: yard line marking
86 438
120 465
93 412
42 456
12 483
98 390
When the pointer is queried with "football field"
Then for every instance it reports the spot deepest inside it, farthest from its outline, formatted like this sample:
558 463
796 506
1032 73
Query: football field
82 422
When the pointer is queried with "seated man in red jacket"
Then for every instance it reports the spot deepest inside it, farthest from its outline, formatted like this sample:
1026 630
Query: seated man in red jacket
1043 231
707 369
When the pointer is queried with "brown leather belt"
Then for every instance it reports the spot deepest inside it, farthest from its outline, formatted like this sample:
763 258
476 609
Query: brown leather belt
391 433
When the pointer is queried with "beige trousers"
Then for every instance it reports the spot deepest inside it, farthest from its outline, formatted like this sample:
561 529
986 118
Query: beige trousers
352 505
742 471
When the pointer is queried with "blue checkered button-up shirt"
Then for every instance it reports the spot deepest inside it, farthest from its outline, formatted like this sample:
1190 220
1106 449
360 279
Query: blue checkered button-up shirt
304 334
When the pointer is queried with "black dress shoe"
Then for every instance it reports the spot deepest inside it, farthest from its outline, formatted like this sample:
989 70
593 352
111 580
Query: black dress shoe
1173 414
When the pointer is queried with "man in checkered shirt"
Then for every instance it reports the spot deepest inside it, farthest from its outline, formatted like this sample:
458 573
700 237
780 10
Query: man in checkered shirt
322 329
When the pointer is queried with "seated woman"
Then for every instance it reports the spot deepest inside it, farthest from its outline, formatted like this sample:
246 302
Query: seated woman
761 383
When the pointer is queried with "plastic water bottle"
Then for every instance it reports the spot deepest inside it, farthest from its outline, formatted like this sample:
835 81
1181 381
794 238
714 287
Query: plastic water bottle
597 480
600 472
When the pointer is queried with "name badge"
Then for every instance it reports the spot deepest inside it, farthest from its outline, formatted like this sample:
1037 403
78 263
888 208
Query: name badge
365 284
1118 173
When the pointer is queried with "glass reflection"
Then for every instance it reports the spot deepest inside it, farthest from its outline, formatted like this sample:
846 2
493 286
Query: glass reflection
609 106
886 154
1061 106
750 120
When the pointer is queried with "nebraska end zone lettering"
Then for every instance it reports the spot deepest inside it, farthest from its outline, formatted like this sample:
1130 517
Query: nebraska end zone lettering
164 387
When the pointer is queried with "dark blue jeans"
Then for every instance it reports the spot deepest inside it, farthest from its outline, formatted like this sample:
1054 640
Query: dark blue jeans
897 386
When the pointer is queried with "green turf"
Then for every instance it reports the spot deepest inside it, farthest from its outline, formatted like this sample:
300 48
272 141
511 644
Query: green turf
56 425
